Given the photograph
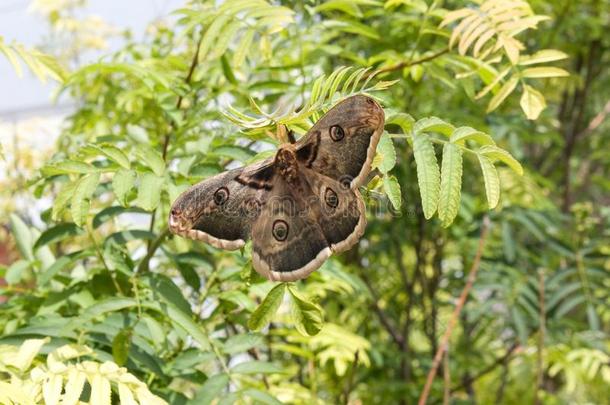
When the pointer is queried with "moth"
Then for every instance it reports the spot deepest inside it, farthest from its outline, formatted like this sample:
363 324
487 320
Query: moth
299 206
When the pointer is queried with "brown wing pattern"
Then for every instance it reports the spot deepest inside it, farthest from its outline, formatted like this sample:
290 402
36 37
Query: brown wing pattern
342 144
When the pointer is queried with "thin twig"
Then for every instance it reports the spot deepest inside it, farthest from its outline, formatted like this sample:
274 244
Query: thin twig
409 63
504 360
541 333
596 121
456 312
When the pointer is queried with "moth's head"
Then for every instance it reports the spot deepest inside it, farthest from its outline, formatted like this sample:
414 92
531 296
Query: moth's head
185 211
194 204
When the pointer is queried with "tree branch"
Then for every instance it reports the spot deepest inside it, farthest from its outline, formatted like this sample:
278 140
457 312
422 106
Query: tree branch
406 63
456 312
385 321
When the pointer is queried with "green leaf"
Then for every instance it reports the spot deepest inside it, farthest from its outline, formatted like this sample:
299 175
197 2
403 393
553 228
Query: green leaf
404 121
23 237
16 272
263 314
62 199
245 43
112 304
492 182
67 167
122 237
307 316
151 159
242 343
227 70
81 199
428 176
451 184
57 233
261 397
462 134
108 213
496 153
149 191
256 367
505 91
164 289
543 56
120 346
385 159
238 153
115 154
210 389
391 188
532 102
122 183
541 72
433 124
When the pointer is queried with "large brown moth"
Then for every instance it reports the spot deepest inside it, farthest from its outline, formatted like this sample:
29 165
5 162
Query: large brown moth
299 206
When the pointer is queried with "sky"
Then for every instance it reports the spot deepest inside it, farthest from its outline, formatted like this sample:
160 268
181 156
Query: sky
27 96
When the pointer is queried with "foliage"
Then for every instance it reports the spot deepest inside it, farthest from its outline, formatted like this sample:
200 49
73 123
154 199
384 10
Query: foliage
216 86
61 380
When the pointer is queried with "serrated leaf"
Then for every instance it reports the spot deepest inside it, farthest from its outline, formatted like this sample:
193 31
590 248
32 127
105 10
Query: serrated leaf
543 56
495 153
256 367
23 237
462 134
403 120
62 199
391 188
57 233
151 159
261 397
125 395
245 43
433 124
74 387
115 154
122 183
541 72
307 316
263 314
492 182
51 389
210 389
81 199
428 176
505 91
532 102
451 184
67 167
149 191
100 390
26 354
385 159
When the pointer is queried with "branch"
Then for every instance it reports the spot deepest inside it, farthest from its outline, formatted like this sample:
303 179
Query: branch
498 362
407 63
596 121
187 80
456 312
396 336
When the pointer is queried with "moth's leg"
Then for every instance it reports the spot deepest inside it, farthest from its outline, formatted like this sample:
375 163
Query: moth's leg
291 137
